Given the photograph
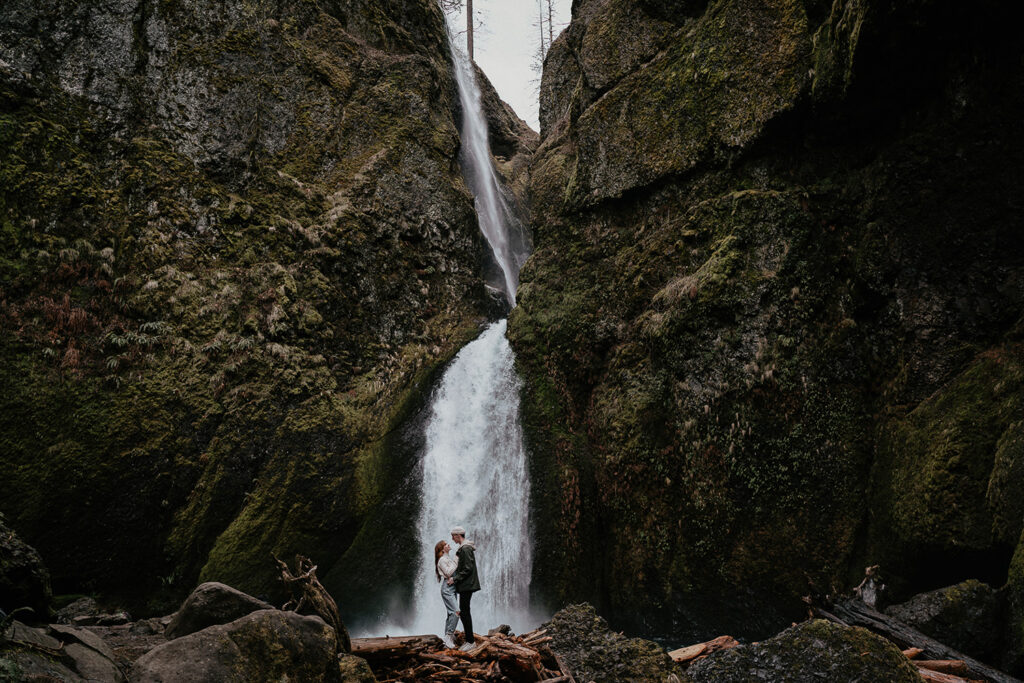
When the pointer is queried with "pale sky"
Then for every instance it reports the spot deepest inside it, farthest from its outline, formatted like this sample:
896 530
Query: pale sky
505 47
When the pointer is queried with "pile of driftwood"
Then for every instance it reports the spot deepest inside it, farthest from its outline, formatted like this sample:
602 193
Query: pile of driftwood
497 658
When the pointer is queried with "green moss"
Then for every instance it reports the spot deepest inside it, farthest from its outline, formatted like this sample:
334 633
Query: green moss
216 370
937 465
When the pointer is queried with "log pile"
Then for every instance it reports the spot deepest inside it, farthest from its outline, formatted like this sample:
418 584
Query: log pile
497 658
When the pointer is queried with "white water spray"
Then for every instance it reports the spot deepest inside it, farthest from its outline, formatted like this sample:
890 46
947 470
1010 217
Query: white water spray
474 474
474 464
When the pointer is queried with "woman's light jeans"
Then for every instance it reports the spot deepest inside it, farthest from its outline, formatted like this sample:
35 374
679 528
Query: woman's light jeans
451 603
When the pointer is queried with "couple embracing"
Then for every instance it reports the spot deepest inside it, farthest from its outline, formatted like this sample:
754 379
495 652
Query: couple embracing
457 576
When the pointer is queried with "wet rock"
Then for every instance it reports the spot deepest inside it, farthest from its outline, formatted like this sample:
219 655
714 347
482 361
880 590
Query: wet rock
70 634
264 645
27 665
59 652
964 617
82 607
209 604
92 665
34 636
596 653
355 669
146 627
113 619
809 652
24 580
753 285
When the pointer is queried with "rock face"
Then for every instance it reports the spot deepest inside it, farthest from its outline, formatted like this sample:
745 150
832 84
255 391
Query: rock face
209 604
235 247
965 616
264 645
596 653
771 328
812 651
24 580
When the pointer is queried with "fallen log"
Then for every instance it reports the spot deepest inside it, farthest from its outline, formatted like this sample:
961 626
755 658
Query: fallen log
912 652
687 654
856 613
955 667
938 677
398 647
564 668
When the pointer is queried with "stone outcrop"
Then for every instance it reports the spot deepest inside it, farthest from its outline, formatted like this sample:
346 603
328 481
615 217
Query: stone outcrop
236 247
209 604
771 329
264 645
811 651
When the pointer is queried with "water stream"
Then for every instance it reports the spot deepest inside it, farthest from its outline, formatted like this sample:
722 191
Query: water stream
474 464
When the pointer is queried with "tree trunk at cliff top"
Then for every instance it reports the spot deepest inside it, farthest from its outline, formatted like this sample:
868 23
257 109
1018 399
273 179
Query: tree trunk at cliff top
469 29
856 613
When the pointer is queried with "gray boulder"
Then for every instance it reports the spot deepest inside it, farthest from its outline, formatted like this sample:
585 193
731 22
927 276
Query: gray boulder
265 645
964 616
209 604
809 652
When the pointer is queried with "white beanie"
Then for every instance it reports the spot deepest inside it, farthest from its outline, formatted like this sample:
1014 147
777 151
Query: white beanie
458 531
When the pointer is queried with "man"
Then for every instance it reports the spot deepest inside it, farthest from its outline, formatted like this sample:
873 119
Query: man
467 582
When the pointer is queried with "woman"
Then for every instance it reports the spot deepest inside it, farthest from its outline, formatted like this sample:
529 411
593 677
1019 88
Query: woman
444 568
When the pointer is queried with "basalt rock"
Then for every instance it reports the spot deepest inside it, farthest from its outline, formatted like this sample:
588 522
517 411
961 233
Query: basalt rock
209 604
264 645
235 248
771 330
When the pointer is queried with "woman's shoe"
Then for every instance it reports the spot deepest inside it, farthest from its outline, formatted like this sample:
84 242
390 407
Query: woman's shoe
448 642
466 647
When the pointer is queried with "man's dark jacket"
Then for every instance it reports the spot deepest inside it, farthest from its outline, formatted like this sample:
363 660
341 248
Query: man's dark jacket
466 579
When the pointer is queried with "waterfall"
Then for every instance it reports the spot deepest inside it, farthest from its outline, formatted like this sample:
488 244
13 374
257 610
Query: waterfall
474 463
497 222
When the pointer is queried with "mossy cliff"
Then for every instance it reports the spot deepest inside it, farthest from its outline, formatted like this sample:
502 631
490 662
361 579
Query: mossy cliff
236 246
771 329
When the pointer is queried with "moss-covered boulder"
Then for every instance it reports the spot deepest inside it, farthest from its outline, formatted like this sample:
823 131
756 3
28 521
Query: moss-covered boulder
812 651
209 604
264 645
770 333
593 652
965 617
